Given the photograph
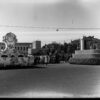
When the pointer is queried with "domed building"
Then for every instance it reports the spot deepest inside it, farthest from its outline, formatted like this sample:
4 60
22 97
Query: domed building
13 52
10 41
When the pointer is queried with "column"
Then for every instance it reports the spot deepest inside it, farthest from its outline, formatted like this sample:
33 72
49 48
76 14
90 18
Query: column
82 44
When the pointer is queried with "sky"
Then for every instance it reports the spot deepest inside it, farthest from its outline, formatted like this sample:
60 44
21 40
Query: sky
39 19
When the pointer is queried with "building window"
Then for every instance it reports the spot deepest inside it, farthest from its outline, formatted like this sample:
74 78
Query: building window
18 48
24 48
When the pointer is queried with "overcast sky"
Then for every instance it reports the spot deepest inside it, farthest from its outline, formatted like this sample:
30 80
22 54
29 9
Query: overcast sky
50 13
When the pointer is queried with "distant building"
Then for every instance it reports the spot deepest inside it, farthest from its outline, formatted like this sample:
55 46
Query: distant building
11 46
89 53
89 43
20 47
36 45
25 48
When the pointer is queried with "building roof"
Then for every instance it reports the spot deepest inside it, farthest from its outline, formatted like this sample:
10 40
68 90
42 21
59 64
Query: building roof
89 38
20 43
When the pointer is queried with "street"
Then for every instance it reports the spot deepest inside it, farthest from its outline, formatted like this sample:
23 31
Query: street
53 80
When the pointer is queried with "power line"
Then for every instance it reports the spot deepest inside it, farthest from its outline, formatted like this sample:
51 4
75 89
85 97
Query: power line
55 28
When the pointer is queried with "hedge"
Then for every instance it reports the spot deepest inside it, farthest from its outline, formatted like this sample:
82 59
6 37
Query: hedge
86 61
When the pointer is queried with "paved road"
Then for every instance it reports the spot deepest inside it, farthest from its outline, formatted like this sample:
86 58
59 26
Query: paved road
57 80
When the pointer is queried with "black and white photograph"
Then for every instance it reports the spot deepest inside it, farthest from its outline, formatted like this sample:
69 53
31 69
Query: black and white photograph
49 48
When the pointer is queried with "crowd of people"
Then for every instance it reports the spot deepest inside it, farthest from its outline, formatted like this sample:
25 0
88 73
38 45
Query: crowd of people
46 59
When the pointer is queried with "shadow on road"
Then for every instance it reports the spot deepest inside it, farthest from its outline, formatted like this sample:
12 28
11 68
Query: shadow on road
11 67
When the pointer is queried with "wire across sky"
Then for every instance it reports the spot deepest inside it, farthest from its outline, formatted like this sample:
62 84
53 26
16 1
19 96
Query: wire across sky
48 28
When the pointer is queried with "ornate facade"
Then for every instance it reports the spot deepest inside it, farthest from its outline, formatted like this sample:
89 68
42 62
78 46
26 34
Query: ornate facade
10 42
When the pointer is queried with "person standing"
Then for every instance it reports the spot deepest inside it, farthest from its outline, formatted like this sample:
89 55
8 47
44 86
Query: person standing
46 60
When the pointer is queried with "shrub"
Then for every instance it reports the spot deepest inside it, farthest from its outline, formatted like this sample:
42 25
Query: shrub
87 61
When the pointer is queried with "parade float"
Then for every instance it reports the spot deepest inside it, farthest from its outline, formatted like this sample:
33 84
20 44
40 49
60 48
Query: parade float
86 56
10 56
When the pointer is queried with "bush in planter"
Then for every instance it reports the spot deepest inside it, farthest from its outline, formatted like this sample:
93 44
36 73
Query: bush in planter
87 61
